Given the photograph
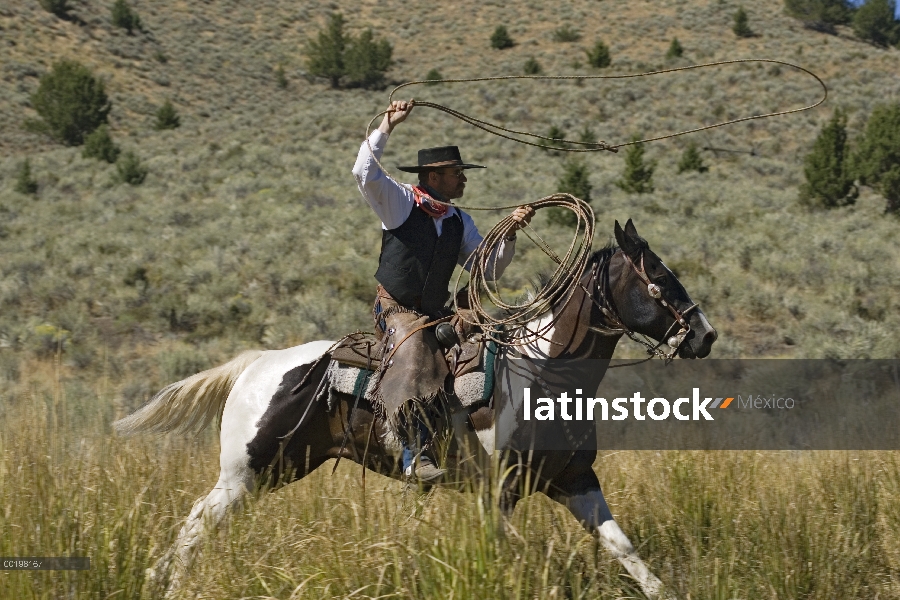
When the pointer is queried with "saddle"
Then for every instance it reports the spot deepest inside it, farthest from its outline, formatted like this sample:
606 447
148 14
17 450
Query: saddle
358 358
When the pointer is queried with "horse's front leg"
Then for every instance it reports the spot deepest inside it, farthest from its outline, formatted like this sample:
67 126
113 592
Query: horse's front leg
582 495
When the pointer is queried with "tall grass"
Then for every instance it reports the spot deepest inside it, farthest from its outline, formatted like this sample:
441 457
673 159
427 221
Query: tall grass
711 524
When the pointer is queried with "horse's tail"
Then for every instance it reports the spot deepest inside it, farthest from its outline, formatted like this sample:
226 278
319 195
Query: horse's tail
188 405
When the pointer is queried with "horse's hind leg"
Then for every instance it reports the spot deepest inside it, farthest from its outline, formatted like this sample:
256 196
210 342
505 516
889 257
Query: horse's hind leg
581 494
205 517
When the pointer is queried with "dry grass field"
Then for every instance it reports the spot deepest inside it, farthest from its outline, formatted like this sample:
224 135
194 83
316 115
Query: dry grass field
249 232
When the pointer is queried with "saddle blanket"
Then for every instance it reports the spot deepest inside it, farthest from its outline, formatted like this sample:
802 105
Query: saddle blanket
470 389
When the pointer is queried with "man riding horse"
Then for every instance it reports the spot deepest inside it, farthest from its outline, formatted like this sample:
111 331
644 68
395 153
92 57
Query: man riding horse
423 238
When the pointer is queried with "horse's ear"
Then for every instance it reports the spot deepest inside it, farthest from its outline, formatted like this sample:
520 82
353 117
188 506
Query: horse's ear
628 239
631 232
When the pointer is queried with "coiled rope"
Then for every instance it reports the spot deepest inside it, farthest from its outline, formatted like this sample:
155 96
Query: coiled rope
562 284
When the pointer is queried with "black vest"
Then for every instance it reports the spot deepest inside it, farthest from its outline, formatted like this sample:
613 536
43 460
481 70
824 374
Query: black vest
416 265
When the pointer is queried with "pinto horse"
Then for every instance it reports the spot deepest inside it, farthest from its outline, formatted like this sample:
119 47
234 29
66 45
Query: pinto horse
274 430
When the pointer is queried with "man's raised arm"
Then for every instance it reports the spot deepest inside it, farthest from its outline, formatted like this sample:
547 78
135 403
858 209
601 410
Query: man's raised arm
391 201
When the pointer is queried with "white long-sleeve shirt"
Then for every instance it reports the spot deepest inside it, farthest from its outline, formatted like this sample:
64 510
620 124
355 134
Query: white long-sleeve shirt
393 202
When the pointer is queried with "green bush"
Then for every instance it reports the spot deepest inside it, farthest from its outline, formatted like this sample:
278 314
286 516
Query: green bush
71 102
566 33
335 55
325 54
599 56
500 39
877 158
60 8
829 178
167 117
821 15
532 67
638 175
124 17
574 180
25 184
434 75
691 160
281 78
875 22
556 136
130 170
100 145
741 27
676 50
367 60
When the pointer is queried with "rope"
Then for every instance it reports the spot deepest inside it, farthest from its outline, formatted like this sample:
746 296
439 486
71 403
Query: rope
601 145
562 284
559 286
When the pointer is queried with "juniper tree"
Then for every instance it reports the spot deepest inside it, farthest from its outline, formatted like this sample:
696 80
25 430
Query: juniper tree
599 56
501 39
71 102
741 27
638 175
821 15
100 145
877 159
691 160
875 22
675 49
167 117
532 67
325 54
434 75
123 16
129 169
366 60
25 184
60 8
281 78
574 180
829 179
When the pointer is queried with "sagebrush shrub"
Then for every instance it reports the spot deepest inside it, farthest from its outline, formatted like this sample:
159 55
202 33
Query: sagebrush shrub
71 102
167 117
25 183
100 145
599 56
829 179
501 39
130 170
638 175
123 16
875 22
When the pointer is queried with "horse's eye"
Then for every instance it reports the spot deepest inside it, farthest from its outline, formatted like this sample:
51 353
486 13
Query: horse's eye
661 280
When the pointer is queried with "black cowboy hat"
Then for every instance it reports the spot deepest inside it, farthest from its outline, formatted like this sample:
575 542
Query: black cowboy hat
442 157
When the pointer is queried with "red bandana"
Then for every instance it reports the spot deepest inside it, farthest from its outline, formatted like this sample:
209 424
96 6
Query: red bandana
431 207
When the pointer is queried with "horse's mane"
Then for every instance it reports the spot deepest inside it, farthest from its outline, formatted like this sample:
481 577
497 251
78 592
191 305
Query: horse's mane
600 256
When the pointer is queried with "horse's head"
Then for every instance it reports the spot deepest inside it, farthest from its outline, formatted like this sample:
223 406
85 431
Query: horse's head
649 299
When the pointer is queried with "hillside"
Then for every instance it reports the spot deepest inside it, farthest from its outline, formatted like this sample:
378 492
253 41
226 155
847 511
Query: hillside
249 232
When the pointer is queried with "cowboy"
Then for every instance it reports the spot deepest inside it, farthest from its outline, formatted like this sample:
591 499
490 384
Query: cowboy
424 237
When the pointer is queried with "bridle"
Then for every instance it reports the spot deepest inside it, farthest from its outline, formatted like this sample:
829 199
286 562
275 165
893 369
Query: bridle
607 307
